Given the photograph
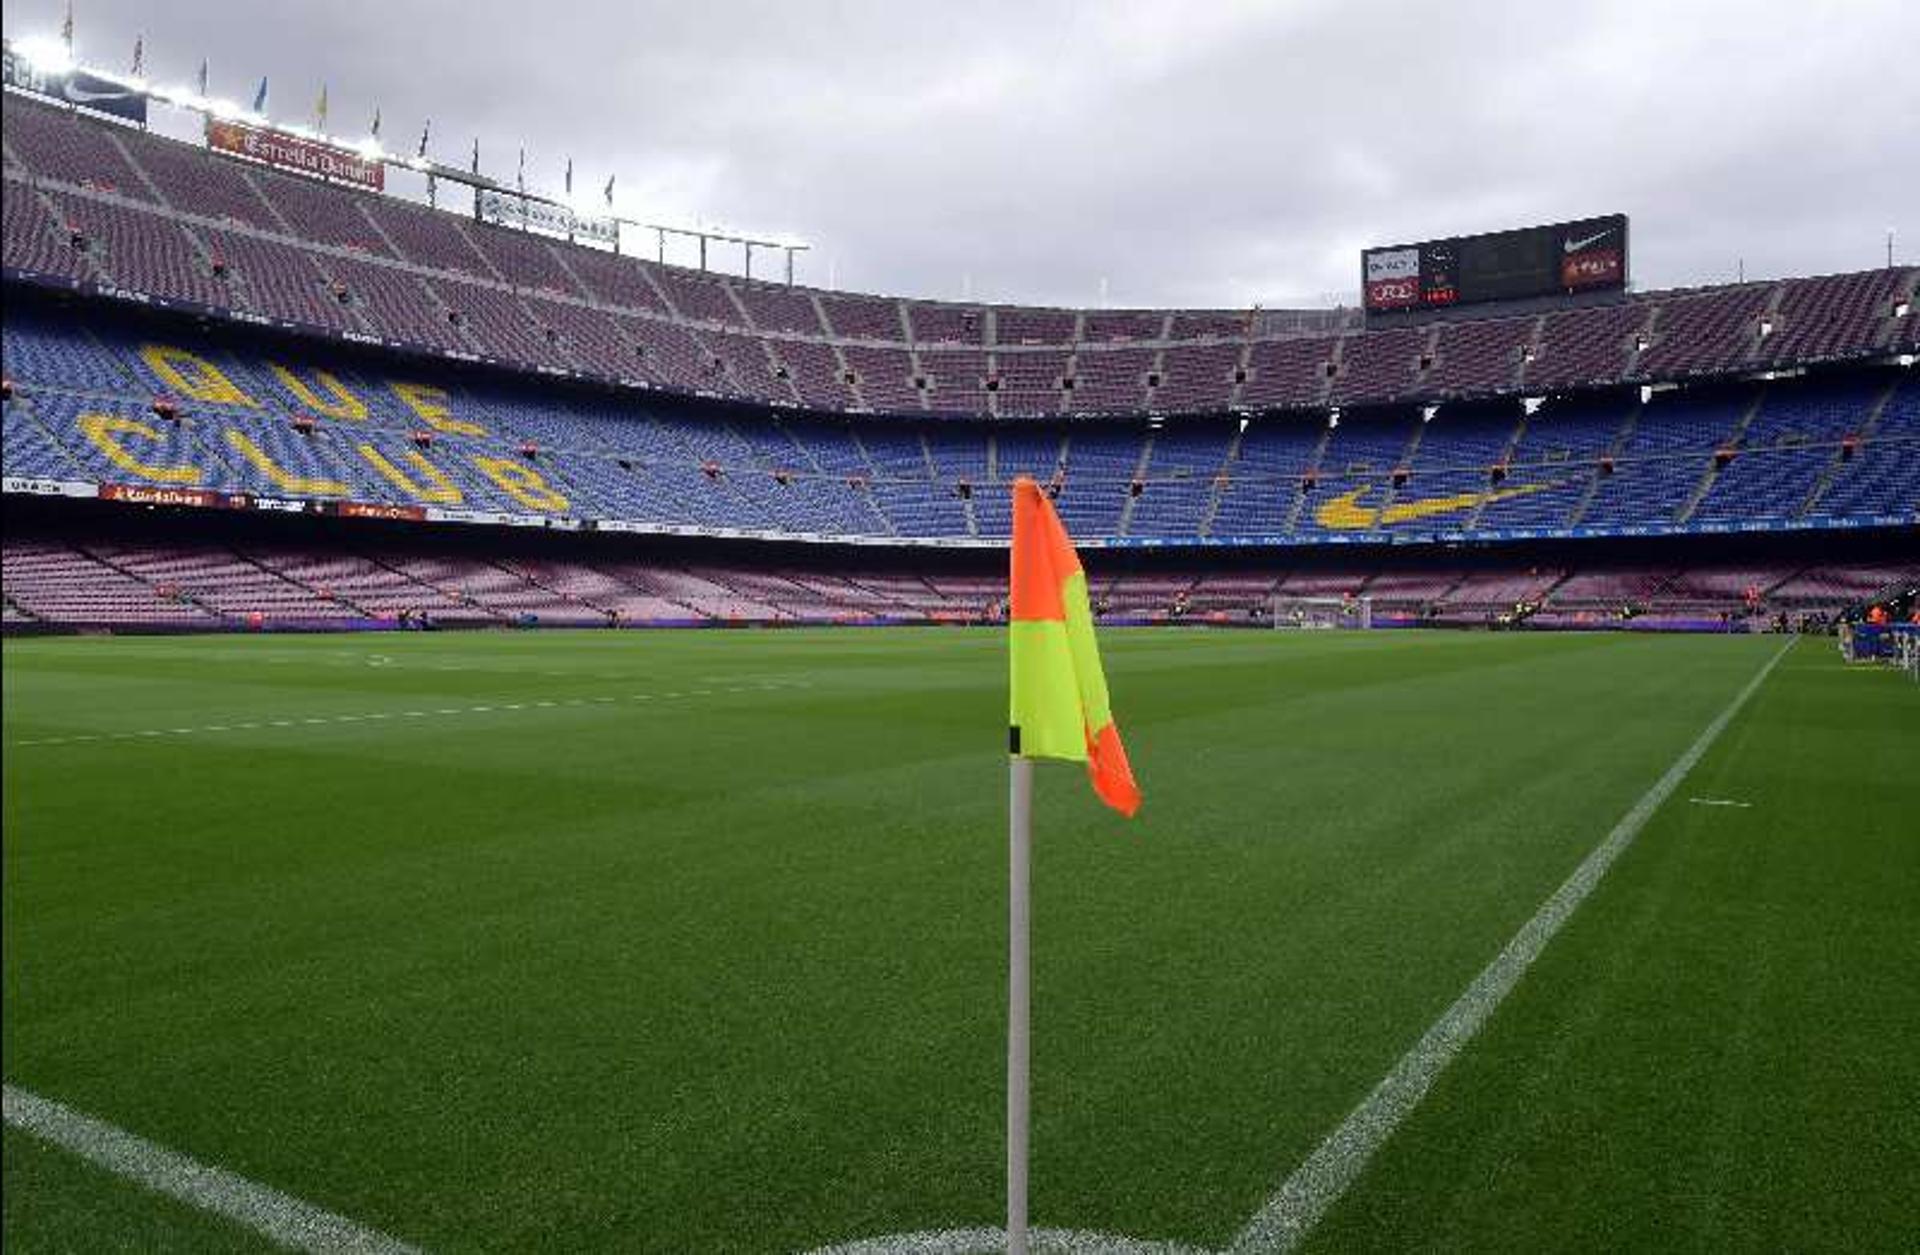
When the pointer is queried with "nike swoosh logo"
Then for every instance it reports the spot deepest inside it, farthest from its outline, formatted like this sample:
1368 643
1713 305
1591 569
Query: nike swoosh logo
1344 513
1574 246
81 95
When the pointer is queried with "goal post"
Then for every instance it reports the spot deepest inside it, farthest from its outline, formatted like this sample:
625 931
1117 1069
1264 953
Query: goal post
1295 614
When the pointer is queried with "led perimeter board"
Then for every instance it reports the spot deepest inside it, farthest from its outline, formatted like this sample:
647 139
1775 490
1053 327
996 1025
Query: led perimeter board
1567 257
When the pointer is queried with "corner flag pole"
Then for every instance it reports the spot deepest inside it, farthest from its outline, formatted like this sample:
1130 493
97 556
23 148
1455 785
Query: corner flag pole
1019 865
1057 708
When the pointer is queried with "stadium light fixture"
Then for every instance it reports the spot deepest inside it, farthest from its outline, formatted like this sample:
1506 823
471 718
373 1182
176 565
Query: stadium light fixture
45 53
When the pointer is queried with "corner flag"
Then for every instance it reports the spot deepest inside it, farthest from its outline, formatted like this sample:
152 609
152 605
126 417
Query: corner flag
1059 693
1057 709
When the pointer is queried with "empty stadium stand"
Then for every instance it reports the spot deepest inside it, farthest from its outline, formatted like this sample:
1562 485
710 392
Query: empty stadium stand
91 202
184 330
288 418
230 573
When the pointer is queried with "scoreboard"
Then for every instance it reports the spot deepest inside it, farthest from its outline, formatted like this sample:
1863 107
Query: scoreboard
1567 257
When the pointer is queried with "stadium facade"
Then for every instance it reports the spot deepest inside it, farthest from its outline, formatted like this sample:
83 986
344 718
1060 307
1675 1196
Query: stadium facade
239 395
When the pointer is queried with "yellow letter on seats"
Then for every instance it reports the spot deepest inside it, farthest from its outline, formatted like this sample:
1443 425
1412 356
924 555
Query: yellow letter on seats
523 484
99 429
443 492
343 405
431 405
285 480
192 375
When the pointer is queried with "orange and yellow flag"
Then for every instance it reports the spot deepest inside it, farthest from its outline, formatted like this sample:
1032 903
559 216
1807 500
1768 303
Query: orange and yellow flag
1059 693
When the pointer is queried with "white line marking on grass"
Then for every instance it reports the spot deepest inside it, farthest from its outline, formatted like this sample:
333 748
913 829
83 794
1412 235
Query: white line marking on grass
1317 1184
324 720
994 1242
280 1218
1720 801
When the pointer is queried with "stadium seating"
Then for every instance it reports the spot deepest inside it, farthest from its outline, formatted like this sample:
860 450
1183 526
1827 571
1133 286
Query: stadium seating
174 221
294 419
130 582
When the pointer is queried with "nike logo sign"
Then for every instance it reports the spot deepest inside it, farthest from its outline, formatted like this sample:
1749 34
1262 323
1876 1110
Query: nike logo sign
81 95
1344 513
1574 246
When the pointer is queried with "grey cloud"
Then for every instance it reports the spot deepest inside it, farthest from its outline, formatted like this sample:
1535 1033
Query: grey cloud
1215 154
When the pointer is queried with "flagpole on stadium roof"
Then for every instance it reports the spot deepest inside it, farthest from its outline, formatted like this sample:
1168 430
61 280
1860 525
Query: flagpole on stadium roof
1019 878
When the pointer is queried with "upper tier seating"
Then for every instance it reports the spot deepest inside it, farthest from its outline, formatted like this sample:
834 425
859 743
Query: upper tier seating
94 201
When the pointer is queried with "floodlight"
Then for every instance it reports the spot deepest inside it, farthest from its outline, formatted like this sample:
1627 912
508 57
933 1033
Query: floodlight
46 54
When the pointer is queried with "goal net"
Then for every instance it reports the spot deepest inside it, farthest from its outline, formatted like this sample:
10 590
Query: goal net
1322 613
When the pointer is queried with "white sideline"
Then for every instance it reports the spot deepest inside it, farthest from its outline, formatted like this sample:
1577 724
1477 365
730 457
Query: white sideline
279 1217
762 686
1317 1184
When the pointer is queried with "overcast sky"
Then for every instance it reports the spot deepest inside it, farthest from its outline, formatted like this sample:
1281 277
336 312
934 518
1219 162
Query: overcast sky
1199 152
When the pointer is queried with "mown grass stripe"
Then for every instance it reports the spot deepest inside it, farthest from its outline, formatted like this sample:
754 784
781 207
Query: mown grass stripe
1318 1183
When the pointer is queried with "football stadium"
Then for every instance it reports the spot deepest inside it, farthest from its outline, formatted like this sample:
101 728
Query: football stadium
507 712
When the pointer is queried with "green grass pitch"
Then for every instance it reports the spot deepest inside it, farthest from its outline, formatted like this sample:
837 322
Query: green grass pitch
696 942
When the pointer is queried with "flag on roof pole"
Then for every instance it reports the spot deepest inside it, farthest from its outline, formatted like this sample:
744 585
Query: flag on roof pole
66 28
608 193
1057 708
569 176
139 55
425 127
320 111
203 78
476 154
520 176
376 121
260 96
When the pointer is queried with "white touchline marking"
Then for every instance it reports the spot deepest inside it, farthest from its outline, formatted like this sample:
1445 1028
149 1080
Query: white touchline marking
281 1218
323 720
994 1242
1290 1214
1317 1184
1720 801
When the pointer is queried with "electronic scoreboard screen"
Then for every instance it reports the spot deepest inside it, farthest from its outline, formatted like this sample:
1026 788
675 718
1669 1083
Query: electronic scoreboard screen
1584 256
